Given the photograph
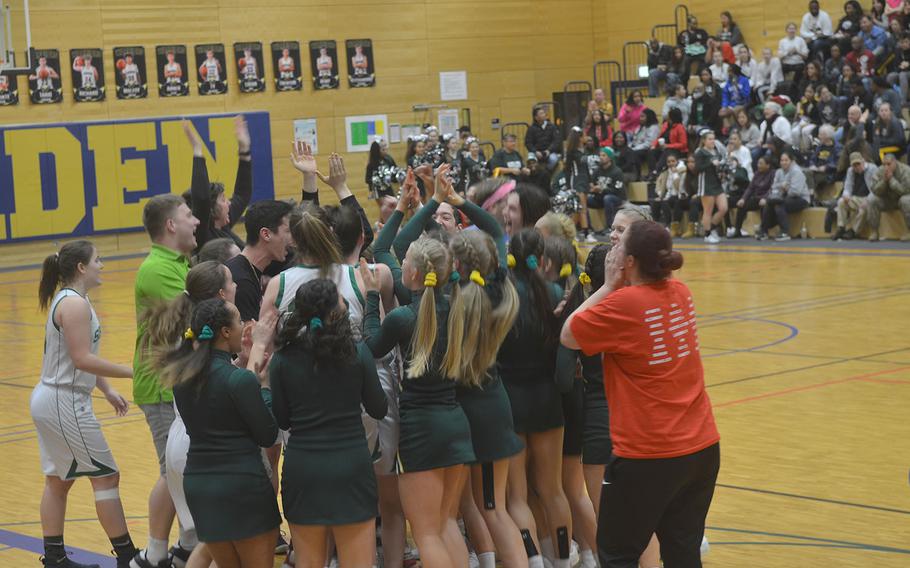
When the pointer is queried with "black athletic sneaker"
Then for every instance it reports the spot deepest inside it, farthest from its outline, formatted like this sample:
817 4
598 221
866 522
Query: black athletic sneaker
179 556
849 235
66 562
838 234
281 545
141 561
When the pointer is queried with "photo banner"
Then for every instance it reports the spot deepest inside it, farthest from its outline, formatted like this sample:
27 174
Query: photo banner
9 89
361 70
130 75
173 74
80 179
88 75
250 72
286 63
44 85
211 69
324 64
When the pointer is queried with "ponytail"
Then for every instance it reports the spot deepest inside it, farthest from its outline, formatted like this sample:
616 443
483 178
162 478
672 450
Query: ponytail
314 239
61 268
526 248
590 280
318 325
50 278
431 258
189 363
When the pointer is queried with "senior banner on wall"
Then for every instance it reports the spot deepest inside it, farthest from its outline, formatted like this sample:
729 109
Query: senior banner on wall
9 90
88 75
286 63
173 74
44 85
210 63
250 70
130 75
324 64
361 71
86 178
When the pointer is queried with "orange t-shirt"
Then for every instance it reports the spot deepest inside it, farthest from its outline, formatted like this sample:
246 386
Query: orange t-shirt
653 376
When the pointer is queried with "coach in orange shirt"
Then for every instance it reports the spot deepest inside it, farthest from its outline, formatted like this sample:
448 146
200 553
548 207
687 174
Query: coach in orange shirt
666 451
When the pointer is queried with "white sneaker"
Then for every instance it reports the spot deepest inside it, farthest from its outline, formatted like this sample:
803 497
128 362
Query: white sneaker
591 238
730 231
705 547
573 554
783 237
473 561
712 238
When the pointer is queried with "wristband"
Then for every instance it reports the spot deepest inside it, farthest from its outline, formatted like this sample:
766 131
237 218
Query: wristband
244 154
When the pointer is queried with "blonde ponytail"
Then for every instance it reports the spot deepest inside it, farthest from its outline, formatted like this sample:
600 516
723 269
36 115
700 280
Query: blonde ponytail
432 259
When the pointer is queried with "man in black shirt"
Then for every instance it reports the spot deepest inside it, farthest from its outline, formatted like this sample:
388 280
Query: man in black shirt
543 139
267 239
507 159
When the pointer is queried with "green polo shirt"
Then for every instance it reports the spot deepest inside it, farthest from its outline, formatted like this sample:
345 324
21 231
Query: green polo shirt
162 276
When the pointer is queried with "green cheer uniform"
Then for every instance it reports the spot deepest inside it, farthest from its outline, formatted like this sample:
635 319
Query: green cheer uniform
597 445
228 420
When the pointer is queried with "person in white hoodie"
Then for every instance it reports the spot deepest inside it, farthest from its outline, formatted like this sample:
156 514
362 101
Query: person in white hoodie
793 51
767 74
775 132
816 30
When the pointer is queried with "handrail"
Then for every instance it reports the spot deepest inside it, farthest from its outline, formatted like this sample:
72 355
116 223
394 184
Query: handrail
607 72
508 128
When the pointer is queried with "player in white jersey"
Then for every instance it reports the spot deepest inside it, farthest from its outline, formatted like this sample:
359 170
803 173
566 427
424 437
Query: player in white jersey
324 63
248 68
44 75
286 65
88 73
359 61
172 70
210 68
130 72
69 436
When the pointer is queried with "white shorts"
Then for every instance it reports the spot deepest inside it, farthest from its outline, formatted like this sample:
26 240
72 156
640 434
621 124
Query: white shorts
178 446
69 436
389 370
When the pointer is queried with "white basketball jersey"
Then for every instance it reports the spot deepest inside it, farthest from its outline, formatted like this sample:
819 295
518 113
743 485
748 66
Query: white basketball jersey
249 68
211 70
324 62
286 64
359 60
58 369
343 277
170 69
88 77
131 74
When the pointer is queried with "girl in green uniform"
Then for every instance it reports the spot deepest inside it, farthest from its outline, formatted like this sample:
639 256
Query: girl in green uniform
435 437
319 379
708 159
228 419
528 365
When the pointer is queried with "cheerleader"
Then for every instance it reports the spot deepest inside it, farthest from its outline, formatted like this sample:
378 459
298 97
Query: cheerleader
227 416
528 364
416 156
474 166
453 157
166 323
69 436
381 171
577 176
319 378
708 160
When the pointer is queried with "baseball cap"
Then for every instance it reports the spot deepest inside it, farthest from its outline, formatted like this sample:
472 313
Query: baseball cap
856 158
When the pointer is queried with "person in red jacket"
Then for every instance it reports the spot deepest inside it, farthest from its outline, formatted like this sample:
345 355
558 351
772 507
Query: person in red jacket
672 137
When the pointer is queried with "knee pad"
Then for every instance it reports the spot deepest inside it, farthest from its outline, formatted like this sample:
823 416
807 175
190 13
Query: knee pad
111 494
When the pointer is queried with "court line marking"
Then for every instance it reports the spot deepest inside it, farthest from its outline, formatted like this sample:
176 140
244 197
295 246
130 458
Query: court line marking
809 387
811 498
873 547
832 252
793 332
36 545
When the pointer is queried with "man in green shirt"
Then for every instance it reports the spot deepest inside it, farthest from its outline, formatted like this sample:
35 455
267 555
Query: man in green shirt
161 277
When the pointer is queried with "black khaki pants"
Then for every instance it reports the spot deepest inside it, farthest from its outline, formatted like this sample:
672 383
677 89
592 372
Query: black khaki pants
669 497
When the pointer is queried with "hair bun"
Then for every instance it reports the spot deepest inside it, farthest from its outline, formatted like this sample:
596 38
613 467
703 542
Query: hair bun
670 260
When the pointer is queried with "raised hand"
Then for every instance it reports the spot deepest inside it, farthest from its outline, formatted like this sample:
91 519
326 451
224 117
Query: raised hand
302 157
242 131
368 275
338 176
194 139
442 184
410 193
264 331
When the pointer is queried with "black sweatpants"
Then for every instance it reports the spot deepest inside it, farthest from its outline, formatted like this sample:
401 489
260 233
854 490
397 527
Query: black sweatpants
669 497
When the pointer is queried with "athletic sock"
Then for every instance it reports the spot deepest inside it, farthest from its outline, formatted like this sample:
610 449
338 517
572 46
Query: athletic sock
487 559
535 561
587 559
54 551
561 563
546 548
123 546
156 551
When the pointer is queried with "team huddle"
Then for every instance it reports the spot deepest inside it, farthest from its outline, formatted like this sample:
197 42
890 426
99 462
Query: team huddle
454 368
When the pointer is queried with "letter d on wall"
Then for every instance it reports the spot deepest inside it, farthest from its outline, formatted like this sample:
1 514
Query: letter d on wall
47 181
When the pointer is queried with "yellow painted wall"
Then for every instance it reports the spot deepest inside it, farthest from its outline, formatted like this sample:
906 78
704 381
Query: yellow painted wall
516 52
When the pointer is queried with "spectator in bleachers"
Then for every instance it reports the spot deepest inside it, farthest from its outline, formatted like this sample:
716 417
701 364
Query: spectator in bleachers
507 162
705 105
608 186
890 191
659 57
748 133
727 38
895 31
812 77
677 99
793 51
894 10
677 68
900 71
843 89
473 164
876 15
774 132
859 95
882 92
694 41
848 26
689 200
874 38
592 155
719 69
537 173
853 138
673 138
630 112
543 139
829 109
755 197
598 127
850 205
746 63
821 167
768 74
816 29
736 96
666 191
601 102
860 58
736 149
807 120
624 157
789 194
887 133
833 65
644 137
708 160
578 176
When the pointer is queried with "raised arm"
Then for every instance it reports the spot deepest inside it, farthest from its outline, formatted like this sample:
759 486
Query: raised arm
243 185
381 338
371 394
304 162
200 187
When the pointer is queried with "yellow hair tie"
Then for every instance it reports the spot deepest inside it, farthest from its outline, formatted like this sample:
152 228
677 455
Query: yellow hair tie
584 279
188 334
476 277
565 271
430 280
510 261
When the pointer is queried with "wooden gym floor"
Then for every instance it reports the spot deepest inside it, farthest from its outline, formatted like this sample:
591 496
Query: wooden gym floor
807 357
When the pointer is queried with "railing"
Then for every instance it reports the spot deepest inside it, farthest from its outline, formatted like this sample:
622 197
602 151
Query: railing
519 129
634 57
487 144
606 74
681 17
665 33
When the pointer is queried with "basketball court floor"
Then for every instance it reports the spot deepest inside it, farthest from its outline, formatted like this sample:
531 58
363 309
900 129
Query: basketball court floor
807 355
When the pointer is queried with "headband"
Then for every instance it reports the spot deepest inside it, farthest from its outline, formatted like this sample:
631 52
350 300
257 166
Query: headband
497 196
